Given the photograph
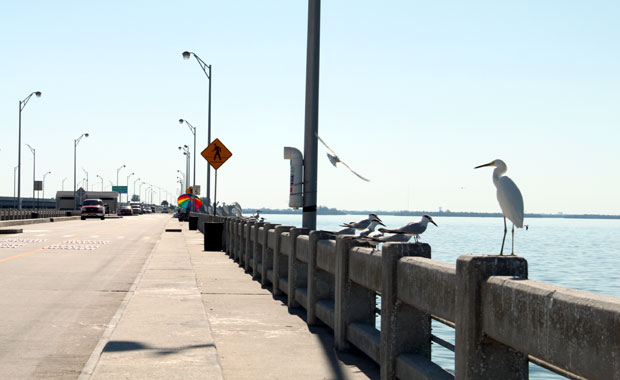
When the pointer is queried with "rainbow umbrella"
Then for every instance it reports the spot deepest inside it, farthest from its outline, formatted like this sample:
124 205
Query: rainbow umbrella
187 201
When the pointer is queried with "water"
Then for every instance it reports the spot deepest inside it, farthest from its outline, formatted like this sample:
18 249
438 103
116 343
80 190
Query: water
576 253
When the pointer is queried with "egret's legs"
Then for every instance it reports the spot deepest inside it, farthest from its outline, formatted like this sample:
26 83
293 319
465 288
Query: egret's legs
501 251
513 240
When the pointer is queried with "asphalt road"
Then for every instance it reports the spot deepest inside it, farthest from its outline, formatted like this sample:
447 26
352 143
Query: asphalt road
60 284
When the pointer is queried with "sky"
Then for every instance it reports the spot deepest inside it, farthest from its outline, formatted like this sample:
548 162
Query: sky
413 95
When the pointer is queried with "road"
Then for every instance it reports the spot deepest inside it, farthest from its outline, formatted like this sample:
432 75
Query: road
60 285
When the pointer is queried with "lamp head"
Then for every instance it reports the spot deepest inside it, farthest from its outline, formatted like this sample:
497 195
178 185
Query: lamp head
186 146
85 134
180 148
181 121
186 55
37 94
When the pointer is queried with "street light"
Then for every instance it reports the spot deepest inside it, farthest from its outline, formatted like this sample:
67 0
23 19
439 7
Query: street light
117 171
207 70
140 191
101 178
44 175
85 172
22 105
63 184
193 130
15 187
34 164
75 144
134 187
186 152
128 186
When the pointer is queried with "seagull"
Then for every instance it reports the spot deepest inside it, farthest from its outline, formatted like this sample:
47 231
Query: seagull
374 222
509 198
379 238
363 223
334 159
412 229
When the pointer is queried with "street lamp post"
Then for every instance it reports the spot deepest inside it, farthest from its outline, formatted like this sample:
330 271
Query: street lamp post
85 172
134 186
117 171
101 178
15 187
75 144
128 186
140 191
111 184
34 165
193 130
62 187
22 105
43 189
207 70
186 152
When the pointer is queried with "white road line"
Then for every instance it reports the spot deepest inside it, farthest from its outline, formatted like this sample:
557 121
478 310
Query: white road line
69 235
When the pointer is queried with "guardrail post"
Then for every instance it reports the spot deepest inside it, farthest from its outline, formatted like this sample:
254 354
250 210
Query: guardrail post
343 299
403 328
249 247
313 296
276 260
295 278
256 249
477 356
265 254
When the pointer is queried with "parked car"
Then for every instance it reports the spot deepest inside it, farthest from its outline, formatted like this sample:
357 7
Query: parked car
136 209
92 208
126 210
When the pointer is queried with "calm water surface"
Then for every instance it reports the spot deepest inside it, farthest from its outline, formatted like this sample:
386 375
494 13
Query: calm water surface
576 253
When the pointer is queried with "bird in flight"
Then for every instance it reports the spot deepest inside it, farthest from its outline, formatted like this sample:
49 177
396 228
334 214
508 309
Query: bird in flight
509 198
334 159
412 229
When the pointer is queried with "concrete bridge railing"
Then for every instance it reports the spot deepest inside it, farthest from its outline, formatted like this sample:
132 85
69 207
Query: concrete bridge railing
15 214
501 319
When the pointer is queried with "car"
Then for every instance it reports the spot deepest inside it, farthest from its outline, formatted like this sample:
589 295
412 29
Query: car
126 210
136 209
92 208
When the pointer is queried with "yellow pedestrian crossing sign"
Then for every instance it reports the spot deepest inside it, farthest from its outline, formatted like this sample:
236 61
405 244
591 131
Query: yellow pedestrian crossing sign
216 154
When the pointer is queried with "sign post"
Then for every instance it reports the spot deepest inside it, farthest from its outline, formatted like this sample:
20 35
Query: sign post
216 154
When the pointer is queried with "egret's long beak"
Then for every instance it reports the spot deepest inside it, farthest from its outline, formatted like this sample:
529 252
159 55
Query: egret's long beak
432 221
492 163
380 222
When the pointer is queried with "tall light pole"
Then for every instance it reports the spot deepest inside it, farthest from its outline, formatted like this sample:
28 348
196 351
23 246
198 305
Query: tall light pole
186 152
140 191
207 70
44 175
15 187
75 144
85 172
193 130
134 186
128 185
101 178
22 105
62 187
34 164
182 174
111 184
118 171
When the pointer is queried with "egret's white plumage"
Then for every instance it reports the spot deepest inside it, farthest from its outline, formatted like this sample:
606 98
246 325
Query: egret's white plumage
509 198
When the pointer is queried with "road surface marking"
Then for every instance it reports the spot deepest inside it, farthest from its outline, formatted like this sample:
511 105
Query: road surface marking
20 255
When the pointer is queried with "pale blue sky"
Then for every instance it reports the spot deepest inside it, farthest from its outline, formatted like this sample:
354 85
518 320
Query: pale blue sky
413 95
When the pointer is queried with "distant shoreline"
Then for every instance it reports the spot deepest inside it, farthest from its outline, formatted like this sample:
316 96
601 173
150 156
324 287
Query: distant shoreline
332 211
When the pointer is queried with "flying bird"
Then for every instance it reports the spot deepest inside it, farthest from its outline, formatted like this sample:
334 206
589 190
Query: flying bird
412 229
334 159
509 198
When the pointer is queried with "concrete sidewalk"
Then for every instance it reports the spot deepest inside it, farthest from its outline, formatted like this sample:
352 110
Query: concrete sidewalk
161 330
256 336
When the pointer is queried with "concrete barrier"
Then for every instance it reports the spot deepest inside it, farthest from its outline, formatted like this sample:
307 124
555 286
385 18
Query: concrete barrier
502 320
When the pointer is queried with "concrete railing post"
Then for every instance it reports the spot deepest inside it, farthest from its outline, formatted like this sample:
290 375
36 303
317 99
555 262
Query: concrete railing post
344 302
403 328
478 357
313 296
295 278
265 254
256 249
249 246
276 260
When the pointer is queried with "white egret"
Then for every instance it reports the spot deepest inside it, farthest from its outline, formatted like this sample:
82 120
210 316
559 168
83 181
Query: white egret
334 159
374 222
509 198
412 229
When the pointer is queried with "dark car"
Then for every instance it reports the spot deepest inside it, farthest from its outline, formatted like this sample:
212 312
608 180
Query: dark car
126 210
93 208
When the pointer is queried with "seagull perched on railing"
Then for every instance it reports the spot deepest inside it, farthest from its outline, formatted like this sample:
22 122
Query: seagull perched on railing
412 229
334 159
363 223
373 222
